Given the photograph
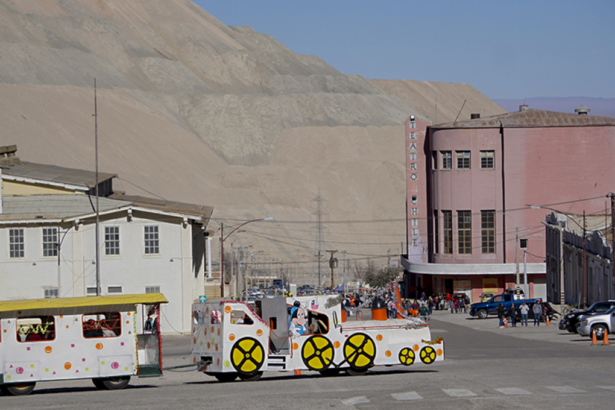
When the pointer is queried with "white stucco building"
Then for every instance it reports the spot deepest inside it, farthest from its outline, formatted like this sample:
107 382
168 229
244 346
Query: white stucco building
146 245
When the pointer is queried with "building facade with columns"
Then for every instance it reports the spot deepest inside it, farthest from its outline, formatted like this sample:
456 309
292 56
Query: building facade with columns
479 177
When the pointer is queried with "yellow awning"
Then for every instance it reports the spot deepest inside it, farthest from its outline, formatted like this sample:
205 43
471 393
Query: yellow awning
89 301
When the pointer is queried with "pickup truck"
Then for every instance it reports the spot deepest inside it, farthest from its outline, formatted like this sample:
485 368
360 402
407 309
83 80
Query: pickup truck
484 309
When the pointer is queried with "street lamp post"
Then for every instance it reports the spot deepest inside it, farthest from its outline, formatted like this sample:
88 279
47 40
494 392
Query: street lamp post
222 239
518 287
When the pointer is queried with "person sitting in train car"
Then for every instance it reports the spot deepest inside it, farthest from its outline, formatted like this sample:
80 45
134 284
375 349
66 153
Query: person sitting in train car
22 333
91 329
107 328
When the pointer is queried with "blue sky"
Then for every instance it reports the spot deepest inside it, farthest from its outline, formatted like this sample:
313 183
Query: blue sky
505 49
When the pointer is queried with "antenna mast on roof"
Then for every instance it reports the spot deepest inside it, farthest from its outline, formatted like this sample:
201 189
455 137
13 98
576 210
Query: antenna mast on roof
97 214
462 105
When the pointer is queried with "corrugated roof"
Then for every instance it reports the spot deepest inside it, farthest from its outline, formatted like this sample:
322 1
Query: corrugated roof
55 174
532 118
53 206
166 206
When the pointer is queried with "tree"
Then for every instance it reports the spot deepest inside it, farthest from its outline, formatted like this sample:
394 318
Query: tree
382 277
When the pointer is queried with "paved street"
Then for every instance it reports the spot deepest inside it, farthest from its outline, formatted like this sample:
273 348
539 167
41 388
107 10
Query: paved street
485 368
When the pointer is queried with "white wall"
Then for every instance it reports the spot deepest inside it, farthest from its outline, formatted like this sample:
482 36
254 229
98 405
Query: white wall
171 269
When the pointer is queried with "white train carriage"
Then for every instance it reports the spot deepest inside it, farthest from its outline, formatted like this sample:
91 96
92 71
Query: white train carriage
99 338
231 340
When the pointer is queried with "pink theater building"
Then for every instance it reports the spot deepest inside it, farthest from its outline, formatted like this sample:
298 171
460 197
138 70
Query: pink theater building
469 187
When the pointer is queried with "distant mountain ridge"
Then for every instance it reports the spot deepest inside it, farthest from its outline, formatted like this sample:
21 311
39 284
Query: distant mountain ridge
600 107
196 111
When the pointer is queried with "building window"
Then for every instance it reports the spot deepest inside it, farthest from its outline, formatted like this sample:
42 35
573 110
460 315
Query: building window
447 160
464 231
487 226
463 159
151 240
51 293
487 159
447 218
112 240
50 241
114 289
152 289
16 243
436 230
91 291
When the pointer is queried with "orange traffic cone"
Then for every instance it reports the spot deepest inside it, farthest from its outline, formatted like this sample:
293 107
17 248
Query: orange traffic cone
505 324
548 324
605 341
594 340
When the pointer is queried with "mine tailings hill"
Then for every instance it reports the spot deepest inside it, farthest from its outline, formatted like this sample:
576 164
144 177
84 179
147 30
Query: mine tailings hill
196 111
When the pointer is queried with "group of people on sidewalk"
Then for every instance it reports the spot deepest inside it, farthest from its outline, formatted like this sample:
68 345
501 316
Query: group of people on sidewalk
522 310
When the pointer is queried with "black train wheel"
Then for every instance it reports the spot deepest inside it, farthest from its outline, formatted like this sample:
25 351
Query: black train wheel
407 356
428 355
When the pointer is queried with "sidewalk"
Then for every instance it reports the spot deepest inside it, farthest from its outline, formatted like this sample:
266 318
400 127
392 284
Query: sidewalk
491 324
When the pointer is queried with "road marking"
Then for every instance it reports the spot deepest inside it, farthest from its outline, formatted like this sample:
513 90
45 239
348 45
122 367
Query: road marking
412 395
355 400
459 392
607 387
565 389
512 391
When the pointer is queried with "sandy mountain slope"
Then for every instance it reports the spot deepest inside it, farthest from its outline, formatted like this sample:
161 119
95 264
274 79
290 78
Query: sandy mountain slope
196 111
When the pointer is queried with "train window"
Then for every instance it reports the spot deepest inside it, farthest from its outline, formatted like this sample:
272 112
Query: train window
320 322
239 317
107 324
36 329
215 317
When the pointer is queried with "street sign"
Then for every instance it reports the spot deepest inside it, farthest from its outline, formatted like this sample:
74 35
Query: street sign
203 299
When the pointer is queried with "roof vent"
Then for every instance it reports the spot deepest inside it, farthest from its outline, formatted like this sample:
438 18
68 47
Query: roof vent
474 116
523 107
582 110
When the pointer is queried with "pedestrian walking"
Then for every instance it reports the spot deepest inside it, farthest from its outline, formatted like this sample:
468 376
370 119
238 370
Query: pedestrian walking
537 309
524 309
500 310
430 304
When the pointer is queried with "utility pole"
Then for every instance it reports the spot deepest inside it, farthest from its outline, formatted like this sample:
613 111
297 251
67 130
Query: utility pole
332 265
319 214
584 261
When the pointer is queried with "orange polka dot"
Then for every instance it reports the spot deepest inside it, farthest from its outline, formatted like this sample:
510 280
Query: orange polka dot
336 344
208 345
295 346
67 326
212 329
67 365
128 322
379 338
218 331
99 346
193 329
227 309
216 347
194 360
439 352
4 330
48 349
128 314
415 348
61 316
205 332
259 332
231 337
387 353
194 340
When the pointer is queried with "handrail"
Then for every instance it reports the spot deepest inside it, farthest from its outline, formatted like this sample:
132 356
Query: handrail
357 314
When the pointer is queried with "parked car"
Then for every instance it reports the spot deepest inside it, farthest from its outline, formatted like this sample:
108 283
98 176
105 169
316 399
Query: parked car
570 321
486 296
598 322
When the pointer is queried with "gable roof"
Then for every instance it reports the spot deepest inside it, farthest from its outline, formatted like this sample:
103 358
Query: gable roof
531 119
70 178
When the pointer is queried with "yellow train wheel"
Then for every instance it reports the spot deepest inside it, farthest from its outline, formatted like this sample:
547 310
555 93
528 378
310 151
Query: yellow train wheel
247 355
406 356
317 353
360 351
428 355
